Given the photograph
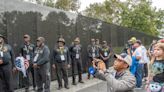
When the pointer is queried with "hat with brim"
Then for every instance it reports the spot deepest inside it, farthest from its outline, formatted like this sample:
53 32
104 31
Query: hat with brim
124 57
61 40
104 42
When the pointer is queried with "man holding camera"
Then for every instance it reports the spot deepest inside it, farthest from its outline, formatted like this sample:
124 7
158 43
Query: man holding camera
118 77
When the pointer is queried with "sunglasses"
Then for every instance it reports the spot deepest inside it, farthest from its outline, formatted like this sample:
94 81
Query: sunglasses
25 37
38 40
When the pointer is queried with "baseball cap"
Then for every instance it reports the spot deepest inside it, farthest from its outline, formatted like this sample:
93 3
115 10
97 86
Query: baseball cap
125 57
133 39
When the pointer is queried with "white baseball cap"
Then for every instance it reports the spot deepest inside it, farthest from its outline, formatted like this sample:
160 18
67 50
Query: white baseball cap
125 57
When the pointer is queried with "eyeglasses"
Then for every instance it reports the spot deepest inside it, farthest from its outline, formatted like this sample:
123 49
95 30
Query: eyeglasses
25 37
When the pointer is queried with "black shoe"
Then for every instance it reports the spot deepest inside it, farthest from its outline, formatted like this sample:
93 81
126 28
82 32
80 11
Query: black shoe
88 78
27 90
74 83
67 87
34 88
81 81
60 87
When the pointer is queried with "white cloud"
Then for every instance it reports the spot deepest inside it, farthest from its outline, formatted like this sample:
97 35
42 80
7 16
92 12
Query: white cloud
158 3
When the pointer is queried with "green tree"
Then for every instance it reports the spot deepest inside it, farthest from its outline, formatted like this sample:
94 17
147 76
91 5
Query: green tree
138 15
49 3
68 5
106 11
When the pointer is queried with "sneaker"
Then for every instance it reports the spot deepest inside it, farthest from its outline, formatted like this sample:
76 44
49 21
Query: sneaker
27 90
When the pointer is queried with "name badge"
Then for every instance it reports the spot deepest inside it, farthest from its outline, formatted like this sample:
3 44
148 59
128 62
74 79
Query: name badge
77 56
93 55
62 57
28 57
105 54
36 57
1 53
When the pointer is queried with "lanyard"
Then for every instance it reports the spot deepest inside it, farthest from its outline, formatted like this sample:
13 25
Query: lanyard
27 49
93 49
105 49
1 47
61 49
77 48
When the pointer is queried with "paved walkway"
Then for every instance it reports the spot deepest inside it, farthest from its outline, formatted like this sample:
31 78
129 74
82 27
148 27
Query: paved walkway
92 85
73 88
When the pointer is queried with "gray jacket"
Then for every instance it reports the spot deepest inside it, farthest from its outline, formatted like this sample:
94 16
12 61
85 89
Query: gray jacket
43 55
125 82
8 55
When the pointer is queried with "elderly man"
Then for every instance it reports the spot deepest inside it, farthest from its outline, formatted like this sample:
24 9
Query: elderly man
61 62
41 65
6 66
118 77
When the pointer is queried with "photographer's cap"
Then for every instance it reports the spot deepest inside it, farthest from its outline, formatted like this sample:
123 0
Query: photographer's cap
124 57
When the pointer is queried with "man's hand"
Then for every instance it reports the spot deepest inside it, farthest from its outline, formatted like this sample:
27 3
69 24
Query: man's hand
35 65
14 69
129 51
54 66
105 58
1 62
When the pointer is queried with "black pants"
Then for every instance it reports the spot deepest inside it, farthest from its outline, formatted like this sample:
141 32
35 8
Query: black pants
76 65
27 79
89 64
106 64
6 78
43 77
61 71
145 70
